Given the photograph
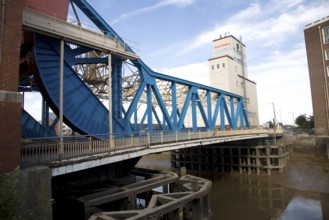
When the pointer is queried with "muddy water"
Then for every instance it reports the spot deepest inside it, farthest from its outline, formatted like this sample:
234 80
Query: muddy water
239 196
243 197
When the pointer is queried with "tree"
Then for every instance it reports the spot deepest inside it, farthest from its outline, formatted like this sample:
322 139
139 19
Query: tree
270 124
304 122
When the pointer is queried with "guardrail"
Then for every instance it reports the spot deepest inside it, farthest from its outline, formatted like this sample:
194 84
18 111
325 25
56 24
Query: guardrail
44 151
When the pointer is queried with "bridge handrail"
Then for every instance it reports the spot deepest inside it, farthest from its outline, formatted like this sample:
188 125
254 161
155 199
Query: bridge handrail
47 150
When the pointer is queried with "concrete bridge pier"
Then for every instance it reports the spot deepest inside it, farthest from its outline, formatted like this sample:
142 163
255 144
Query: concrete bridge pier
34 186
10 98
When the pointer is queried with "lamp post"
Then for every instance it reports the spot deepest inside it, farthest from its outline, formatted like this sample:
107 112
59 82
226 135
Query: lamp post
109 90
274 122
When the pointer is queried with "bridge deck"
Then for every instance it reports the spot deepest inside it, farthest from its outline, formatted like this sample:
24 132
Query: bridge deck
85 152
51 26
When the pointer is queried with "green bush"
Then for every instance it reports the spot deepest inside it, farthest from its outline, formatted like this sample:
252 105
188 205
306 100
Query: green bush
9 196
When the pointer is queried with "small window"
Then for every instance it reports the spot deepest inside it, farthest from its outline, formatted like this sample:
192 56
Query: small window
325 35
326 54
223 64
212 67
218 66
237 46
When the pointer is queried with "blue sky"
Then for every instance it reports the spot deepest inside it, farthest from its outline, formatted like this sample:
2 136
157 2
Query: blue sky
175 37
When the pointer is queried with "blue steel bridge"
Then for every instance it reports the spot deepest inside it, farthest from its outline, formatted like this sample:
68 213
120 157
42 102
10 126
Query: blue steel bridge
78 69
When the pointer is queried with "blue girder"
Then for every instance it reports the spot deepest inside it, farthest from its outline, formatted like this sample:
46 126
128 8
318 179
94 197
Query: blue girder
86 114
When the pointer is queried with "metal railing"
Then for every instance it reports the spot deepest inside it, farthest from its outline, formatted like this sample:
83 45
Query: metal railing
44 151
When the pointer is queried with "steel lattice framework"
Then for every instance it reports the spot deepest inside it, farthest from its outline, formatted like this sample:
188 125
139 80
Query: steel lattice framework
139 93
142 99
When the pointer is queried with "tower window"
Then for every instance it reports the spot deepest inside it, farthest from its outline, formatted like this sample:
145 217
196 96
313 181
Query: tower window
212 67
218 66
326 54
223 64
237 46
325 35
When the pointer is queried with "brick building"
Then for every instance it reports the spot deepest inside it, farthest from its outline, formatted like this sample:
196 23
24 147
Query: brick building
317 48
10 98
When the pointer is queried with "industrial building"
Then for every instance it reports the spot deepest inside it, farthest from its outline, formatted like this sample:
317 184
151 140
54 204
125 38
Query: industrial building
317 48
228 71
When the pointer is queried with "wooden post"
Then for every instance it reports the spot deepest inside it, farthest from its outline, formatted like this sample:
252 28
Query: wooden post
268 161
239 157
248 161
257 161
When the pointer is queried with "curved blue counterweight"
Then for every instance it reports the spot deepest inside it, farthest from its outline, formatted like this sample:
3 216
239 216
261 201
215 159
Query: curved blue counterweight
82 110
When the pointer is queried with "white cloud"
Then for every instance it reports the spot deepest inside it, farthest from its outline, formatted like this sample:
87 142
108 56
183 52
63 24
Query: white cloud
160 4
283 79
196 72
33 104
270 24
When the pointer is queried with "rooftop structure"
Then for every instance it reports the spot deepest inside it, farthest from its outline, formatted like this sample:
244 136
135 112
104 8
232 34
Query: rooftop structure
228 71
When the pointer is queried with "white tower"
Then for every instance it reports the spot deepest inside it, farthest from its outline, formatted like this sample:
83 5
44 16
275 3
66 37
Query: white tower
228 71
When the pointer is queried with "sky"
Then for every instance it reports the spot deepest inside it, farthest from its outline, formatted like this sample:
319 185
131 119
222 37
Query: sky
175 37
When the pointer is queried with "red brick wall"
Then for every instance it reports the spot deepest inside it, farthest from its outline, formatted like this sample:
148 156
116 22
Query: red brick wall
318 76
10 109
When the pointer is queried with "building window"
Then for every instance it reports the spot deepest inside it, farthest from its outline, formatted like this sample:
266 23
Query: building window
223 64
326 53
212 67
325 35
218 66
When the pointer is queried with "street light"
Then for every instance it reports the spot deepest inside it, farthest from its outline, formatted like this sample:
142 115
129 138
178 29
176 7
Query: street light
274 121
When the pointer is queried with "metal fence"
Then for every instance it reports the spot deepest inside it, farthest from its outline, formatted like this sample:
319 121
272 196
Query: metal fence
44 151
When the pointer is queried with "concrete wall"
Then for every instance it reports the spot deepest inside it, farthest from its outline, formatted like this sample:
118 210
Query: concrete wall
35 191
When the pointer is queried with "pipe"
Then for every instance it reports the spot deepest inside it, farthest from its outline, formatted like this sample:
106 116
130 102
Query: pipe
2 28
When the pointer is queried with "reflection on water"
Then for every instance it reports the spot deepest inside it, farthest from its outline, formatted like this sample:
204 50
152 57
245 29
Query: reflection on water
303 208
243 197
235 196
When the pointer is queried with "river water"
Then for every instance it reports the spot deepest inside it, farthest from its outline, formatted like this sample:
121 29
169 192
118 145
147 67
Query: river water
241 196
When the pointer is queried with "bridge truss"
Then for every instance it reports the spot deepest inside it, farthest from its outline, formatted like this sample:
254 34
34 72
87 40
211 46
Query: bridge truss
141 99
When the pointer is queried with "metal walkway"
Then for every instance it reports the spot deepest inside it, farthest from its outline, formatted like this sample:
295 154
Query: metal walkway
85 152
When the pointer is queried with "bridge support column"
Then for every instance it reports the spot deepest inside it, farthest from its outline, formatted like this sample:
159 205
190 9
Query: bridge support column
10 100
34 185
